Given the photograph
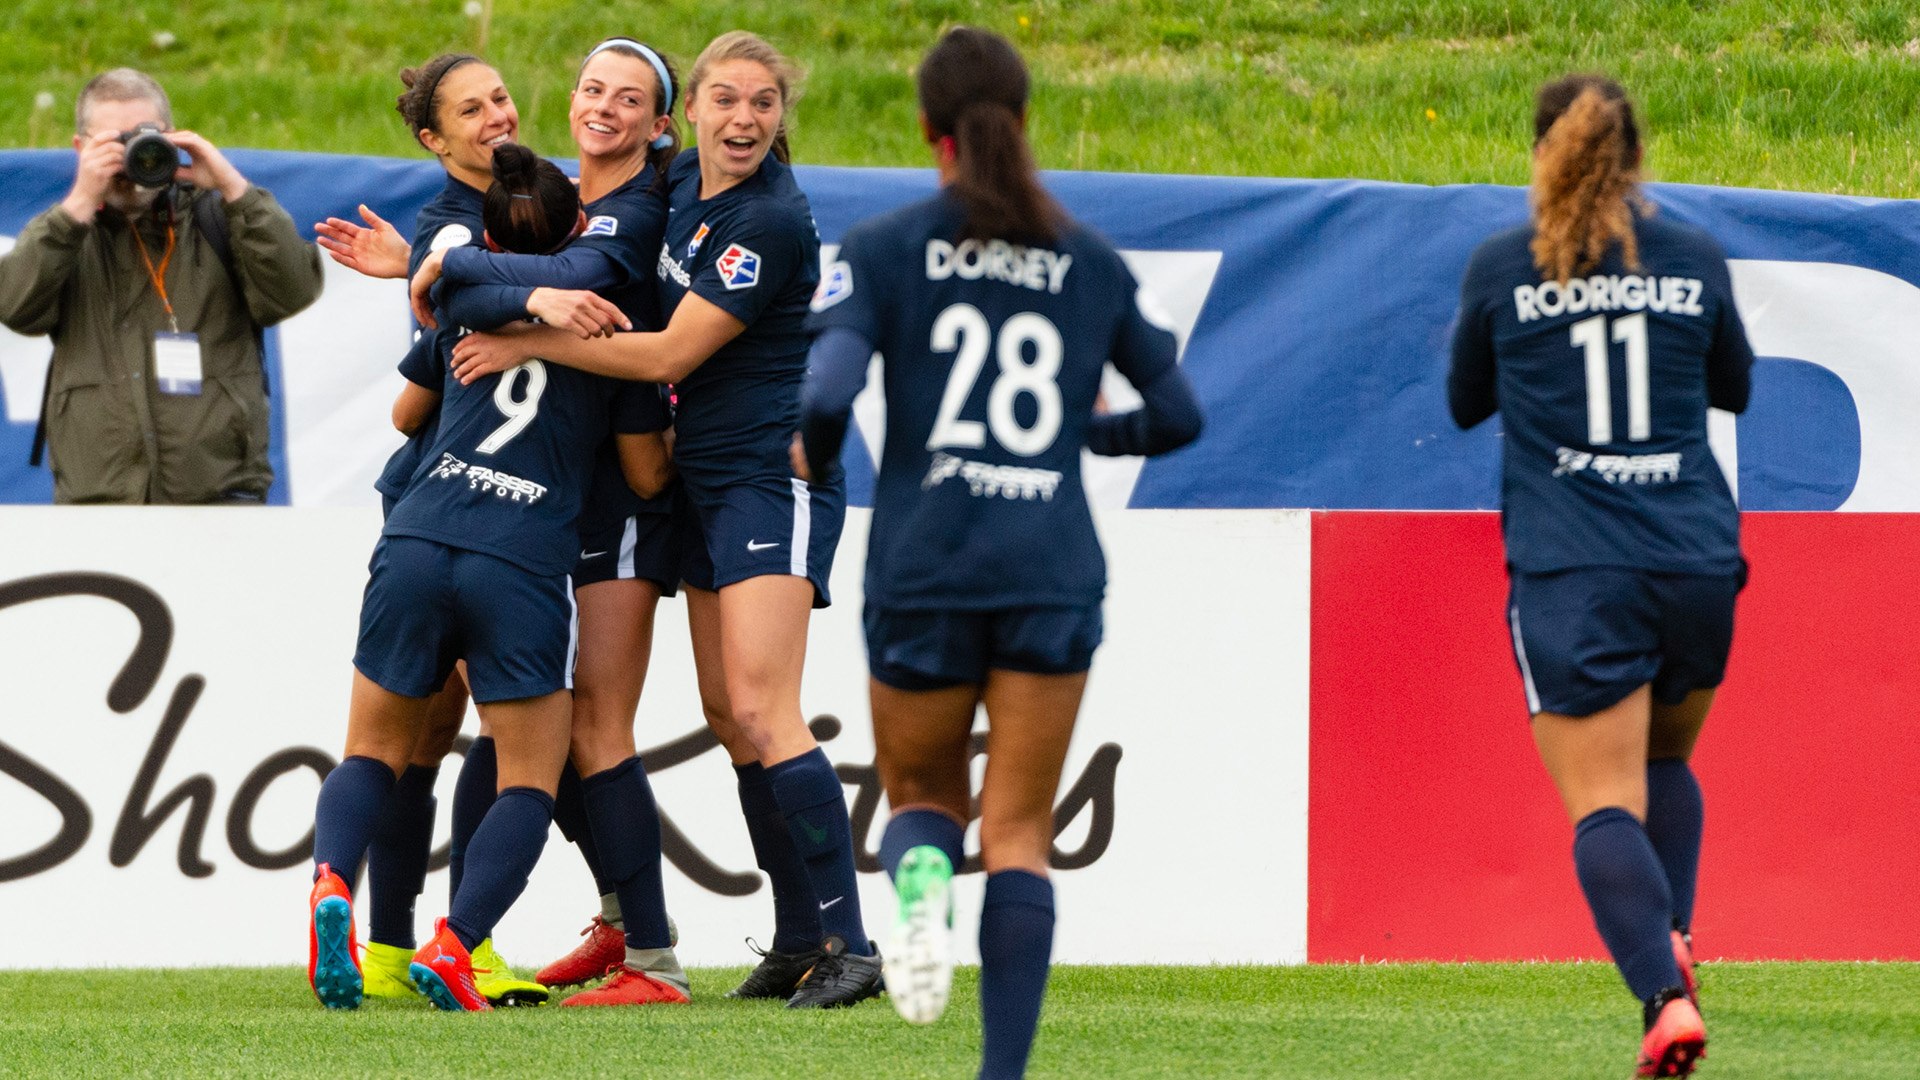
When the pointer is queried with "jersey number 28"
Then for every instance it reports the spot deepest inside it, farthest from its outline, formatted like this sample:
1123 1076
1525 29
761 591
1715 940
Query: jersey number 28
519 411
1591 335
964 328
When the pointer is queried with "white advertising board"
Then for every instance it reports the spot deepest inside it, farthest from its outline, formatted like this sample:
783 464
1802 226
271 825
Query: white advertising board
176 680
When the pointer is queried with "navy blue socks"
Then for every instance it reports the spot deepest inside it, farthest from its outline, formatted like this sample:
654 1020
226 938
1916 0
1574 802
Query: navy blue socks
397 858
1016 946
570 814
472 794
910 829
1627 890
815 807
347 812
1675 818
625 824
796 920
499 860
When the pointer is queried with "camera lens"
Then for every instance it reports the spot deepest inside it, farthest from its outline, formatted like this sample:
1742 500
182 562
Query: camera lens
151 159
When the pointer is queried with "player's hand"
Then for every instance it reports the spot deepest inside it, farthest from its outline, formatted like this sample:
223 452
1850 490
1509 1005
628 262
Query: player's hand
478 355
577 311
207 167
377 250
101 159
798 452
420 289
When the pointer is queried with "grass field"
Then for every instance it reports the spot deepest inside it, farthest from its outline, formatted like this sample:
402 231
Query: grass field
1775 1021
1798 94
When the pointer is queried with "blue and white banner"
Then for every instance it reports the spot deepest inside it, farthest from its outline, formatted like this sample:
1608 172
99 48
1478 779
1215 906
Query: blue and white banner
1313 317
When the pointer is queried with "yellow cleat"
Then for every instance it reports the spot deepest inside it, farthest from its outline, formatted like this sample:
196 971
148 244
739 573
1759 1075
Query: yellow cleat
384 970
497 982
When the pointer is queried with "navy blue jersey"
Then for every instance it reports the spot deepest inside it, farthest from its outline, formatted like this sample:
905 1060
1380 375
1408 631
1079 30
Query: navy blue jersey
1603 385
508 469
423 367
450 220
753 251
991 358
613 257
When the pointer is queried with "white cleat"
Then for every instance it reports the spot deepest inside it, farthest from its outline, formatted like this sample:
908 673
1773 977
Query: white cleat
918 960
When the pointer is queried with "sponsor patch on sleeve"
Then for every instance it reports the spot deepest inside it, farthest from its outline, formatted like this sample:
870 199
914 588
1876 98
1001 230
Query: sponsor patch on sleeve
835 285
601 226
739 268
451 236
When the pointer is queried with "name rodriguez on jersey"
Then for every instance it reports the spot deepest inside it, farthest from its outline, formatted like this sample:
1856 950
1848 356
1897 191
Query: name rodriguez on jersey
1609 292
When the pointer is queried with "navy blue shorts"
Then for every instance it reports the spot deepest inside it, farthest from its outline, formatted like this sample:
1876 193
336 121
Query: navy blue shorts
762 525
1586 638
428 605
933 650
643 546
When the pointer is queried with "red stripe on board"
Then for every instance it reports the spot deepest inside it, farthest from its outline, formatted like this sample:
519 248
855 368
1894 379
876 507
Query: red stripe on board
1435 834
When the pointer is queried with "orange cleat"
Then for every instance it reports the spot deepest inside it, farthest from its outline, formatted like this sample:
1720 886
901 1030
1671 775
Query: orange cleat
604 951
630 987
443 971
1683 959
1675 1039
333 957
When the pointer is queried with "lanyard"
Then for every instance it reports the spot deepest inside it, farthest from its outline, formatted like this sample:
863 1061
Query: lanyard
158 277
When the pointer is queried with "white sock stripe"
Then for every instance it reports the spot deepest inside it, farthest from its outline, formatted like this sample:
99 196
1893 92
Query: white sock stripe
1520 650
802 528
629 540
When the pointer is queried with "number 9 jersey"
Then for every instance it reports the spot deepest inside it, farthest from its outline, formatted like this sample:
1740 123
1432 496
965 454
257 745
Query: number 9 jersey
1603 385
993 354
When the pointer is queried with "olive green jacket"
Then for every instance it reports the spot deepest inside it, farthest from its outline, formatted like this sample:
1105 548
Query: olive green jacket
111 435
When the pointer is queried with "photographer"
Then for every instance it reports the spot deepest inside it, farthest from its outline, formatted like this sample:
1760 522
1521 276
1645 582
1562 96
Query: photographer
154 293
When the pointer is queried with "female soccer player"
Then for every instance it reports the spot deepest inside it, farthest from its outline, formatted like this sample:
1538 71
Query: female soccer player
621 119
1602 333
473 564
984 576
740 262
458 109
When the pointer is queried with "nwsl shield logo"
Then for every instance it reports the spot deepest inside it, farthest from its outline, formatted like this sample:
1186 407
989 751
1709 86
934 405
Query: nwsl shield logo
739 268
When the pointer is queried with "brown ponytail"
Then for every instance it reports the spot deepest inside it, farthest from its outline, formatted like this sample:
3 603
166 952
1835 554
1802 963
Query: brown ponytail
1586 176
532 207
973 89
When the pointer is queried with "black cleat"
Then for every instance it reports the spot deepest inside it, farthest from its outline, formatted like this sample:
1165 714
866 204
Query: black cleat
838 979
778 974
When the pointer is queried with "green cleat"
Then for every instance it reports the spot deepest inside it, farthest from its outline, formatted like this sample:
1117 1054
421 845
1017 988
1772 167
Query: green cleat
384 970
918 961
497 982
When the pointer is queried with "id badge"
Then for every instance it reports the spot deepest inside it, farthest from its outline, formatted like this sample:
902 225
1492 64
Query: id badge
176 363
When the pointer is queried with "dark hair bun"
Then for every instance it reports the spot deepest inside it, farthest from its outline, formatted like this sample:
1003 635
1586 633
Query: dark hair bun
514 166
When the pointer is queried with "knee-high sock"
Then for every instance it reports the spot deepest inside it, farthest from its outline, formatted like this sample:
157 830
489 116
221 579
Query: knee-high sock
625 823
397 859
1016 947
570 813
1627 890
1675 817
347 812
505 848
910 829
815 806
796 919
473 790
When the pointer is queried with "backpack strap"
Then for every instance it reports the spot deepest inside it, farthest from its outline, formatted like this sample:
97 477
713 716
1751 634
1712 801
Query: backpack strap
210 217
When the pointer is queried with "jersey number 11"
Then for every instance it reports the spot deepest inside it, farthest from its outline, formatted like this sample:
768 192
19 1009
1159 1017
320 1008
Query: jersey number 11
1591 335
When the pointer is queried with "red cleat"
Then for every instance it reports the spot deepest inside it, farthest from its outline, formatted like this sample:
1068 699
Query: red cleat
630 987
443 971
333 956
1675 1040
1683 958
604 951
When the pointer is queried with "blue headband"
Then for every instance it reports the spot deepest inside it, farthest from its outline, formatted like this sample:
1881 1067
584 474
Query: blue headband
659 68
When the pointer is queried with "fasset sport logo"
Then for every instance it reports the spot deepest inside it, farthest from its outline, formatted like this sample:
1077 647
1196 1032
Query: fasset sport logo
739 268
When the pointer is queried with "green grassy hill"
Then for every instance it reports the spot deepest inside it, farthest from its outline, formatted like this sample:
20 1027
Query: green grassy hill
1798 94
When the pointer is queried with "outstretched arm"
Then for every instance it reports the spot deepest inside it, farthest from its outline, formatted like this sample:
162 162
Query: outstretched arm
697 331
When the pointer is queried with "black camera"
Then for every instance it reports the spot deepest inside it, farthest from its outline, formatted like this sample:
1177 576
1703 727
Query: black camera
151 159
